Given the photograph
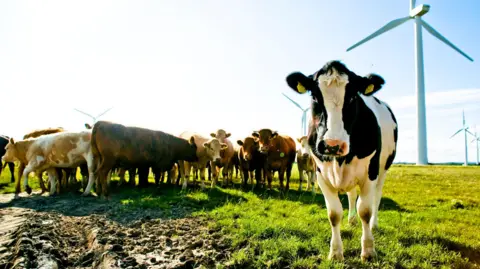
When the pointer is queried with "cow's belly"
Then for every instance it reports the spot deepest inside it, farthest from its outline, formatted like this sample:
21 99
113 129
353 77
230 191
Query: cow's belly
344 177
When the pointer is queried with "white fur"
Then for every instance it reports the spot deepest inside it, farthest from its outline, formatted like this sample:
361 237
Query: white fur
333 90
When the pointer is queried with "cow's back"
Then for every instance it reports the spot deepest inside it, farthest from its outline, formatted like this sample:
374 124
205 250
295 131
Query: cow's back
128 145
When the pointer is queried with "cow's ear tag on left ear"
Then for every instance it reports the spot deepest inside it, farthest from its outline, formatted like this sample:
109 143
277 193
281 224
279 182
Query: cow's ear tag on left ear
369 89
300 88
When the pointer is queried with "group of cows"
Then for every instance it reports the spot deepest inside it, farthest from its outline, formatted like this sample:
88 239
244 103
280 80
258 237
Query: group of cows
111 147
351 142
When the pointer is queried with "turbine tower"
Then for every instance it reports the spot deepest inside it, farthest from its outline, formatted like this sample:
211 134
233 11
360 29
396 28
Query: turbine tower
94 118
476 139
465 130
304 115
416 13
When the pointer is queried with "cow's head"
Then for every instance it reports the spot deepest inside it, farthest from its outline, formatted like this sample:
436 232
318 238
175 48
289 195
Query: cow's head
221 135
250 146
336 94
304 147
264 138
191 154
213 147
10 151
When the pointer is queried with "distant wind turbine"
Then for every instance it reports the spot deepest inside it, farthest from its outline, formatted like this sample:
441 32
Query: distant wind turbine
465 130
94 118
476 139
304 115
416 14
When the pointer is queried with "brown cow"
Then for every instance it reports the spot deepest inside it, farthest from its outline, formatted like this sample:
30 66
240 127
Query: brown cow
280 151
250 160
306 164
47 152
115 144
208 150
225 161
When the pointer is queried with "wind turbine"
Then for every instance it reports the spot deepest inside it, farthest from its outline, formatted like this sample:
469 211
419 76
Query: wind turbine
94 118
304 115
476 139
465 130
416 13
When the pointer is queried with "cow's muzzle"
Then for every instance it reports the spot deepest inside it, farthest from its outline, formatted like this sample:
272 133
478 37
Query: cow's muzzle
333 147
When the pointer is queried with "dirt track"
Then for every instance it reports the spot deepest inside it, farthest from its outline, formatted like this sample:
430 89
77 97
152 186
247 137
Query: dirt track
70 232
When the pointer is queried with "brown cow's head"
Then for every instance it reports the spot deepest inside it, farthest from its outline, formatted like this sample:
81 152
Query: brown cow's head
264 138
10 152
213 148
221 135
250 146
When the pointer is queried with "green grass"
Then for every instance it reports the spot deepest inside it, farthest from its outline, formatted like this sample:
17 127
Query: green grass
429 218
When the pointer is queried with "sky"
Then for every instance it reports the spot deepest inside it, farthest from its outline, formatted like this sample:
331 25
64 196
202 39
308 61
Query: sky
204 65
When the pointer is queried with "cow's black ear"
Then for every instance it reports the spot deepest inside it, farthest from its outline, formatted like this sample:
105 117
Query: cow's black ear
240 142
300 83
255 134
371 84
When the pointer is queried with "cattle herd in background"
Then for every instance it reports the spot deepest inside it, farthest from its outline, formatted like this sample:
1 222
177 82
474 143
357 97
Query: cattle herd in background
111 147
352 142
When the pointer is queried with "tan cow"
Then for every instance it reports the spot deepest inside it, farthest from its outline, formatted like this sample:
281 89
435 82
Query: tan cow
226 160
208 150
306 164
47 152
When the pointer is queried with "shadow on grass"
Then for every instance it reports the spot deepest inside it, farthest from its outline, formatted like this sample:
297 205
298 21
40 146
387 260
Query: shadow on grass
163 201
126 204
471 253
306 197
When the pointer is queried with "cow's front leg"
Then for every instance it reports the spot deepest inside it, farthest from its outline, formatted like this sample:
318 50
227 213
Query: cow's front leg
352 199
365 209
29 168
335 214
312 178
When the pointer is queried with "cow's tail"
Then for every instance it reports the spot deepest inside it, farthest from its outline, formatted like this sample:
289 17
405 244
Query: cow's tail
97 157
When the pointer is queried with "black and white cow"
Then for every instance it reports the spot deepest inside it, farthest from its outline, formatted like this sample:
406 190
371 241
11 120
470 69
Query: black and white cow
353 138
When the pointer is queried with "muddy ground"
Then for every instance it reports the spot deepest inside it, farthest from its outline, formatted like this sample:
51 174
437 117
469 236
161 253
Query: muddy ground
76 232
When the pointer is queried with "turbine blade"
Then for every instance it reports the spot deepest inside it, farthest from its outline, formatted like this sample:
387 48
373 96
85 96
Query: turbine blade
84 113
293 101
456 133
443 39
103 113
469 132
386 27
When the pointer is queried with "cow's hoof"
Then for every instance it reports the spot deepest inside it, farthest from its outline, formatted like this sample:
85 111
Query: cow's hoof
28 189
335 256
88 194
368 254
16 196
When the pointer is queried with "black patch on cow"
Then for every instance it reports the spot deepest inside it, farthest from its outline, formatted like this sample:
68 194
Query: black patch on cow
395 139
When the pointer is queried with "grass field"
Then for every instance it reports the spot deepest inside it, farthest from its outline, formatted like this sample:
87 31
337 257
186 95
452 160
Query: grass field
429 218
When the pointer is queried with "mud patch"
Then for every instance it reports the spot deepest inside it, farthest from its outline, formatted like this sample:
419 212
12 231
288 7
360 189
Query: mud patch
51 240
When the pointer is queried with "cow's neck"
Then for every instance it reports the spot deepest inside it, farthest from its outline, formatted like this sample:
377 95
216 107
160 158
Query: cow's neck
22 148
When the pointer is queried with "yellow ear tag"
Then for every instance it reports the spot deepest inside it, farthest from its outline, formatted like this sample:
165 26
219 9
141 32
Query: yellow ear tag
282 154
369 89
300 88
